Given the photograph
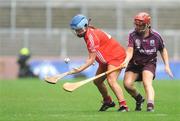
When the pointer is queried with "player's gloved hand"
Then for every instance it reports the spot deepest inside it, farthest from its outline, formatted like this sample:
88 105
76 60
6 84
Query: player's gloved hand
168 70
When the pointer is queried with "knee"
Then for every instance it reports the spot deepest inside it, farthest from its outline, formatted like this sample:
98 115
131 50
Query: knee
127 85
98 82
111 81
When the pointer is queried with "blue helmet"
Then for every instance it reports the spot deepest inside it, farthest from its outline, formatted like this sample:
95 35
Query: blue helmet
79 21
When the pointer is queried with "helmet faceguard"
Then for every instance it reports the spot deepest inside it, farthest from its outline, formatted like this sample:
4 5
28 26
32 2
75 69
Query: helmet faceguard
78 25
79 32
142 22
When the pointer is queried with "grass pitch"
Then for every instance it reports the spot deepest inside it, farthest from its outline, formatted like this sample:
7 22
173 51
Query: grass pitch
36 100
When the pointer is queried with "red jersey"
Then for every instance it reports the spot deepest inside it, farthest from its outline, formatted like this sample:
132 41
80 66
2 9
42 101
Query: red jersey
106 48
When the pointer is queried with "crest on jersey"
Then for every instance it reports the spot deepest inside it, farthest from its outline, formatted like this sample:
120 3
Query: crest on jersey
152 43
138 43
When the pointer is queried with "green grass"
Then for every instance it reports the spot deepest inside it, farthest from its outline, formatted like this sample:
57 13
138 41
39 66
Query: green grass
35 100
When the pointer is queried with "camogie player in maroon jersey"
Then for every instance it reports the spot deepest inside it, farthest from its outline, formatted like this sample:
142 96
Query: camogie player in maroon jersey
141 59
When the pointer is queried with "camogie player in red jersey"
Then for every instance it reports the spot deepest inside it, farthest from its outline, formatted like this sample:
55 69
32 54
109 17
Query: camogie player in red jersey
108 53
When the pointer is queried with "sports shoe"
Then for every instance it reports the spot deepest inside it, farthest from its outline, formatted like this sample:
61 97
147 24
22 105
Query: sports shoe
123 109
139 104
150 107
105 106
150 110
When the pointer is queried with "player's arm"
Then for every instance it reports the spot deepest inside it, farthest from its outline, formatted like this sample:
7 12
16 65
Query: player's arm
129 51
129 54
164 55
90 60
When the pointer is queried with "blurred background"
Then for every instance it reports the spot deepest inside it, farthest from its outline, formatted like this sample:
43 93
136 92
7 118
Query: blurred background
42 26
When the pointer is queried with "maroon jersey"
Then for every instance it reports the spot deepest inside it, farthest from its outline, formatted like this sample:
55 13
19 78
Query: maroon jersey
145 49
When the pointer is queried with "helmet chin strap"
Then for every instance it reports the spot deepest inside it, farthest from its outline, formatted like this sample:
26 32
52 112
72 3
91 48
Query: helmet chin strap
82 34
145 28
142 32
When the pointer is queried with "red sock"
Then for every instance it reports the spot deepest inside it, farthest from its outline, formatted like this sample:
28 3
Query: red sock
123 103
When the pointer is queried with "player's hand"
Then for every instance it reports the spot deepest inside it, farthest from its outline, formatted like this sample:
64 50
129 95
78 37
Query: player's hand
168 70
75 70
124 64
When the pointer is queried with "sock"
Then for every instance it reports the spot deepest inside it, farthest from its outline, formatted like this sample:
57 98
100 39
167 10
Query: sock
107 99
138 97
150 104
122 103
150 101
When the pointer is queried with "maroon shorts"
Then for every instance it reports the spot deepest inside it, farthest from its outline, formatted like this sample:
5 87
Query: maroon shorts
140 68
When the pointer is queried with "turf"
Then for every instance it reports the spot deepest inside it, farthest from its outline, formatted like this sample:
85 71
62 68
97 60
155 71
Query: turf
36 100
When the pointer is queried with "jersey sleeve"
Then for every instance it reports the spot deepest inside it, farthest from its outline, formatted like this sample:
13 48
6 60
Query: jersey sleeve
92 42
130 41
161 43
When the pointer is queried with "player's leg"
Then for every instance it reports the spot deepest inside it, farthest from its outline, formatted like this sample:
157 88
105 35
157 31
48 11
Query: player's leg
107 101
147 81
129 80
112 81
